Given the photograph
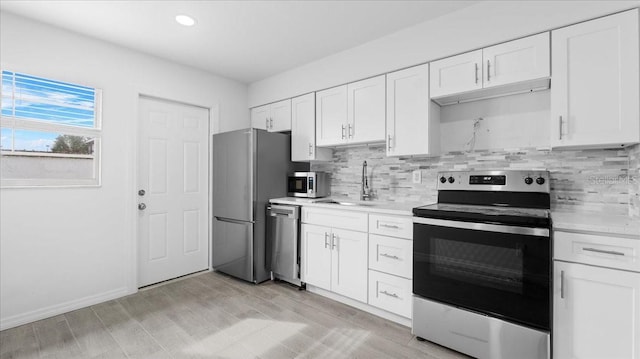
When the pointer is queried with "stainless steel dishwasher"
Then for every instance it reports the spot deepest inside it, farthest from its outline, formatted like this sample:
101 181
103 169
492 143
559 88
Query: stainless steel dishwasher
283 241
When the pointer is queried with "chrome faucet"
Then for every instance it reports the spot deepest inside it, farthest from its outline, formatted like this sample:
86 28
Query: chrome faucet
365 194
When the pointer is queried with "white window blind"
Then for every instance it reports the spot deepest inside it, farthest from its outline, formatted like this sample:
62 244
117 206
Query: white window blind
49 132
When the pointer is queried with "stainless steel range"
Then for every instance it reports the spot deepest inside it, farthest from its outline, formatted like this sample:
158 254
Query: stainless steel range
482 264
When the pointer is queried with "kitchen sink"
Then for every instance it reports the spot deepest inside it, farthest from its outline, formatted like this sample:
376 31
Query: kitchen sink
345 203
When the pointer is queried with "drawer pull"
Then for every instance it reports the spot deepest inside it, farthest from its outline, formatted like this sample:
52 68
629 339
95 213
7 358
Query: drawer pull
394 295
615 253
389 256
389 226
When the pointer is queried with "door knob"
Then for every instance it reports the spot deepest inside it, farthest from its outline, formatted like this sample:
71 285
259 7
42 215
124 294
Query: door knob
142 206
141 192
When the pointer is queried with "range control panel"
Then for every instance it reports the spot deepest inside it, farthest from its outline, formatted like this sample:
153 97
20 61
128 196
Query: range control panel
509 180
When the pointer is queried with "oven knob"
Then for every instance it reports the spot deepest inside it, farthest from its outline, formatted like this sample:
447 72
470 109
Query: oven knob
443 179
528 180
540 180
451 180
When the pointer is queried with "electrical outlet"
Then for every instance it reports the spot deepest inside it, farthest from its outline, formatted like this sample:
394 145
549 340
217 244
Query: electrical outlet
417 176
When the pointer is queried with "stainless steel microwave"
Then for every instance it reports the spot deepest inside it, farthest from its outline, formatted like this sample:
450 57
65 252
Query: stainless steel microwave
308 184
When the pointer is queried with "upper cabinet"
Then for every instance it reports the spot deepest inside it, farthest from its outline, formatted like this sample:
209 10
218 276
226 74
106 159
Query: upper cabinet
303 131
351 114
275 117
331 116
366 106
260 117
456 74
511 67
413 121
595 92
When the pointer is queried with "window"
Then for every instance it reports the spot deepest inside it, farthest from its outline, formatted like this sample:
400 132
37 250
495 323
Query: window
49 132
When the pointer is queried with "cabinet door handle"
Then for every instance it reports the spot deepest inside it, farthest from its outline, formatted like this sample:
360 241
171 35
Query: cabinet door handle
333 240
343 135
488 70
560 125
266 126
310 149
326 239
394 295
271 123
561 284
476 64
388 142
615 253
350 131
389 256
388 226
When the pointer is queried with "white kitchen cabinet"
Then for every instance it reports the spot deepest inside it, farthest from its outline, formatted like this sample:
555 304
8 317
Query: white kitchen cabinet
303 131
391 263
460 73
594 97
366 106
331 116
316 255
514 61
413 121
335 259
596 312
344 219
390 293
391 255
351 114
512 67
260 117
349 263
275 117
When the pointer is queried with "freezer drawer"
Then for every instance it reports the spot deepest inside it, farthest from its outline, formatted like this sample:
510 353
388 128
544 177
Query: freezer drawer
283 242
233 247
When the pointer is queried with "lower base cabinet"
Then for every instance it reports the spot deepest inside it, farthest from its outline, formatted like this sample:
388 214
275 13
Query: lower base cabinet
335 259
596 312
390 293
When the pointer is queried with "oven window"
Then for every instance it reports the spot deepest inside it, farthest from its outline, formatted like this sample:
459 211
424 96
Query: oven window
502 274
479 264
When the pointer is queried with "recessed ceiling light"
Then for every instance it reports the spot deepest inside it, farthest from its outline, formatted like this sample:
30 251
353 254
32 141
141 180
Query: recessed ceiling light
185 20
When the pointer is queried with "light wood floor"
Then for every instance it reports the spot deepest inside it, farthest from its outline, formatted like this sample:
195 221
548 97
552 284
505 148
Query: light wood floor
215 316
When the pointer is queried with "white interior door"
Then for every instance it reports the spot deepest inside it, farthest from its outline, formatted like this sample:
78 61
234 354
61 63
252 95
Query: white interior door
173 173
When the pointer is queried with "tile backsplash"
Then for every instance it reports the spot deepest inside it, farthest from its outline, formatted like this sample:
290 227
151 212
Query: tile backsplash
603 181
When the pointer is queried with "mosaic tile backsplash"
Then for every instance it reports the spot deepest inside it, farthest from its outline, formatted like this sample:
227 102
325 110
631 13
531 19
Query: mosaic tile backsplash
602 181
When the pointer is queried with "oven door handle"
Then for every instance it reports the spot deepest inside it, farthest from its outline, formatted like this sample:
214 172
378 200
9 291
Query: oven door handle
529 231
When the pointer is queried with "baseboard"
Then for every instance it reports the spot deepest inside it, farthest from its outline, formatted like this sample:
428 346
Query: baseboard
32 316
362 306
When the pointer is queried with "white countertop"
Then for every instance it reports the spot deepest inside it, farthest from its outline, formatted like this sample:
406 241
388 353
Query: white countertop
395 208
594 222
562 220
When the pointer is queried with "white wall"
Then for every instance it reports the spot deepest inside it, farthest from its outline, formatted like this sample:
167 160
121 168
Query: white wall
487 23
66 248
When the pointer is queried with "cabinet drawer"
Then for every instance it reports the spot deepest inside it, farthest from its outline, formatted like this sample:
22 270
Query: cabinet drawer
390 293
391 255
355 221
395 226
605 251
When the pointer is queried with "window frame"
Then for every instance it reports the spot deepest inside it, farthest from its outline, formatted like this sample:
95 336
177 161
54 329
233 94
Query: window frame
95 132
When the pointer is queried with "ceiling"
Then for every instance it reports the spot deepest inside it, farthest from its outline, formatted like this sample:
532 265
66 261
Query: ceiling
242 40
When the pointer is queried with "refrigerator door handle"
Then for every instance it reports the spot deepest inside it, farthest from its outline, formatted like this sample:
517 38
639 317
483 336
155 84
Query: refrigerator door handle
231 220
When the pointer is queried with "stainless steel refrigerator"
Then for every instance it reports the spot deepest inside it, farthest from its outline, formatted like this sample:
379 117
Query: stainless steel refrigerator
249 167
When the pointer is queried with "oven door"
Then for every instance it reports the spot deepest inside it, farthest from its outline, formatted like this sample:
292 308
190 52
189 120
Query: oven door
500 270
